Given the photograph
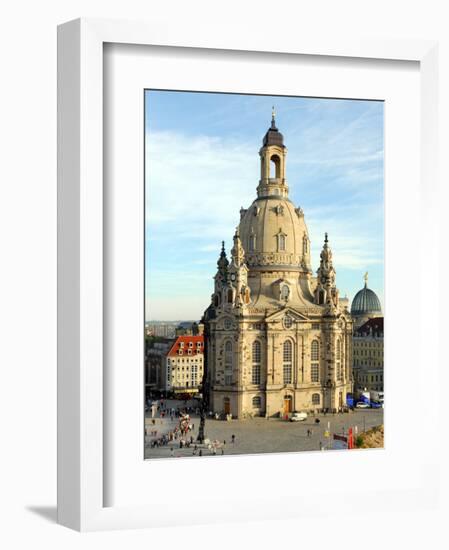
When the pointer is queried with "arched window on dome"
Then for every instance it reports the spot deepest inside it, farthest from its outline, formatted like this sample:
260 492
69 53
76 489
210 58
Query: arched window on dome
304 245
252 243
281 242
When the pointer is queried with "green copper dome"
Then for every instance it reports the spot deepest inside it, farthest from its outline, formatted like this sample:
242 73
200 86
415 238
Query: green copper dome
365 301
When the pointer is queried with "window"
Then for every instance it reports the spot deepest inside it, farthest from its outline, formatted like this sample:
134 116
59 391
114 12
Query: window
228 379
230 296
228 354
252 243
338 364
281 242
256 351
285 292
315 358
315 326
275 167
315 350
227 324
287 362
256 359
257 402
316 399
255 375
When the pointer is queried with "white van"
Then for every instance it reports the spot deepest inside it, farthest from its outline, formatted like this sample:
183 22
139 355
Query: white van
298 417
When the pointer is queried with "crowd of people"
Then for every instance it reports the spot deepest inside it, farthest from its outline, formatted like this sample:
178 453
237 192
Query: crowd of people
162 433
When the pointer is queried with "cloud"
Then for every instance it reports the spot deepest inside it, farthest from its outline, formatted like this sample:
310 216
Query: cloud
196 185
197 182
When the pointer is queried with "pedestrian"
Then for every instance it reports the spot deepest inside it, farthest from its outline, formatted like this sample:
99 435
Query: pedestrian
233 438
200 453
222 451
308 432
224 442
193 427
172 452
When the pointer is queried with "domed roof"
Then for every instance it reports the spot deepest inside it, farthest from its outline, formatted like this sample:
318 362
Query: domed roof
365 301
273 233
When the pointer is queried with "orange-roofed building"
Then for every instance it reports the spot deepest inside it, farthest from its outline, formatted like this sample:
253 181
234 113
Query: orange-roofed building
184 365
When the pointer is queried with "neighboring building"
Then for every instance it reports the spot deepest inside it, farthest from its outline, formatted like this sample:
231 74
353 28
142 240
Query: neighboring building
365 306
155 365
189 328
368 345
184 365
184 329
162 330
277 338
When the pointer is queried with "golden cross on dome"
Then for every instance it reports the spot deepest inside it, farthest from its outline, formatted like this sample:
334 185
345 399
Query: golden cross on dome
366 278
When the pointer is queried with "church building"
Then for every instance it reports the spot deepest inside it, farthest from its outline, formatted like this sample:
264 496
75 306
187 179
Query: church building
277 338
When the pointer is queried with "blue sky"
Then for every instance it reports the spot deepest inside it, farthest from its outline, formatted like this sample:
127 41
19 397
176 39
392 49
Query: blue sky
202 165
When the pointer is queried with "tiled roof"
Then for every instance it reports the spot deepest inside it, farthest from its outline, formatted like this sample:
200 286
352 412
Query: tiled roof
185 343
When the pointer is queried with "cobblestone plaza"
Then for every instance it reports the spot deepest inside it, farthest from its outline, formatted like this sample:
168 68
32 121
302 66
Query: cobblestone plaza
259 435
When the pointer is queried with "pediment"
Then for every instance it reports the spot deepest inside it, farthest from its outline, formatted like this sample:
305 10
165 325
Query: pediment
293 313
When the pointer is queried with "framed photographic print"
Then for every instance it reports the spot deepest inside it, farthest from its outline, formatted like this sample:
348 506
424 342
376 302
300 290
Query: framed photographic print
272 356
234 224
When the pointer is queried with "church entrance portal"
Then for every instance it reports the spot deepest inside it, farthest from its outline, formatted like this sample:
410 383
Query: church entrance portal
287 404
227 405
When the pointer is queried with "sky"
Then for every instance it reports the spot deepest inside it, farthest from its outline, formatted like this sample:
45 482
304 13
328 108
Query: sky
202 165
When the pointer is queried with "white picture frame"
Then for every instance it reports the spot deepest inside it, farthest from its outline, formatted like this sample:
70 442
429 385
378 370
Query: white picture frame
82 492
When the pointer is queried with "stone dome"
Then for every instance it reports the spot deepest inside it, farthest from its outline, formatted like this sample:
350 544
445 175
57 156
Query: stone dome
366 303
273 233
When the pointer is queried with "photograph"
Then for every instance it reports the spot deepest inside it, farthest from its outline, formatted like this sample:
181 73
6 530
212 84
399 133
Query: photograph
264 274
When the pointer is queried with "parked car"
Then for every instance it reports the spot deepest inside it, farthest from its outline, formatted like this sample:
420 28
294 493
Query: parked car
298 417
362 405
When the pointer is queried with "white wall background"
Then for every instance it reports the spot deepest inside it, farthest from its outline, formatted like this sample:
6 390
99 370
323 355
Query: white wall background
28 266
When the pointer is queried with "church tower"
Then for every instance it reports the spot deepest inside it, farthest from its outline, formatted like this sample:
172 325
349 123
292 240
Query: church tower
278 339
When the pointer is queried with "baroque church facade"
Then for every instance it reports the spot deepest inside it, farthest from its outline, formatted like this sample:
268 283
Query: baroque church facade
277 338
